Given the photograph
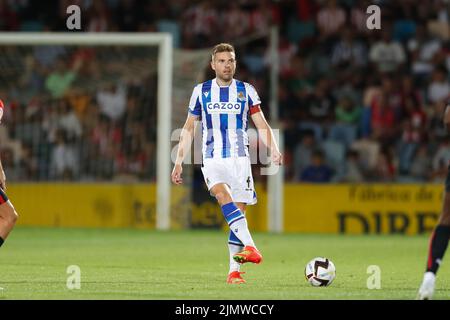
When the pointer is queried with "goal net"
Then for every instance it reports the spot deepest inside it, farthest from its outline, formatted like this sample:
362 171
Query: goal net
95 108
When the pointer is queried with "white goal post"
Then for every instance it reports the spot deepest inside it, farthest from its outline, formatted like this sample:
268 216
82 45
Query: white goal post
164 94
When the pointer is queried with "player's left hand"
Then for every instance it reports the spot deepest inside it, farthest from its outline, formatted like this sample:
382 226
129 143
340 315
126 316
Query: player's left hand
176 174
277 158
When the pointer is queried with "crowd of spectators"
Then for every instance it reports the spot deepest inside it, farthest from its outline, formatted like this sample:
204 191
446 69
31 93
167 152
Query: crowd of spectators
78 114
367 105
355 104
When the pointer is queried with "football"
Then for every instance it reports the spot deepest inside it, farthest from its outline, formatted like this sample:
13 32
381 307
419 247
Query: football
320 272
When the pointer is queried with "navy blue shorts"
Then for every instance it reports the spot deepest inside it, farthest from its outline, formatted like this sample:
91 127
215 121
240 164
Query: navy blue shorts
3 197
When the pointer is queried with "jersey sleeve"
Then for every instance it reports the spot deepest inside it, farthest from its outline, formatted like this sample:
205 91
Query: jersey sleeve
254 101
195 108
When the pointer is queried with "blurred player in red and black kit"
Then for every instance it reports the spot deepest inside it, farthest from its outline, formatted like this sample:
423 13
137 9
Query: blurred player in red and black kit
8 215
440 236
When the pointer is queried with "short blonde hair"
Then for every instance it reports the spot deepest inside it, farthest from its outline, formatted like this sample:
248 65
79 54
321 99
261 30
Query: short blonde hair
222 47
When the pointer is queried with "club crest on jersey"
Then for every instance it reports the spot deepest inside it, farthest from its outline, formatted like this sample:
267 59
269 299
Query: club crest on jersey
241 96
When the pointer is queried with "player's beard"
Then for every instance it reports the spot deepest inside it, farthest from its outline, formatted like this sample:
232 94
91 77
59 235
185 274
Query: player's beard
226 77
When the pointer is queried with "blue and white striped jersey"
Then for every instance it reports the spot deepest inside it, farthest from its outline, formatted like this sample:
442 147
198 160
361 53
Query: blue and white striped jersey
224 112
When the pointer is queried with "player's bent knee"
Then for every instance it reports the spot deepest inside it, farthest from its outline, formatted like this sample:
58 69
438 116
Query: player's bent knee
223 197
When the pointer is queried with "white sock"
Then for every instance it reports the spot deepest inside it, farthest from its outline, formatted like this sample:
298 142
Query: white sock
233 249
240 229
429 277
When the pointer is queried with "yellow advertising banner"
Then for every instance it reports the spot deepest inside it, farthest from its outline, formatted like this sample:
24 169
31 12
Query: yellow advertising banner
312 208
84 205
342 208
363 208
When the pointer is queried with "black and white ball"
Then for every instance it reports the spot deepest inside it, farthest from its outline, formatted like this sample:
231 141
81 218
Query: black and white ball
320 272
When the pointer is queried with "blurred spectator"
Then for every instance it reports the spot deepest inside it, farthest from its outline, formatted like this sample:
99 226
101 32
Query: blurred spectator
303 152
68 121
112 101
383 118
439 88
11 168
317 171
436 130
407 146
46 56
404 27
368 151
59 81
200 23
334 152
286 53
9 20
330 19
386 54
348 52
28 129
104 135
390 88
441 9
439 22
414 126
131 162
29 164
79 100
235 22
347 120
99 17
421 167
32 80
358 16
423 47
347 112
64 162
261 17
440 161
351 170
409 95
307 10
318 109
385 170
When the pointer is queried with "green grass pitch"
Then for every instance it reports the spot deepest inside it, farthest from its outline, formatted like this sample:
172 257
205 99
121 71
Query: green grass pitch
139 264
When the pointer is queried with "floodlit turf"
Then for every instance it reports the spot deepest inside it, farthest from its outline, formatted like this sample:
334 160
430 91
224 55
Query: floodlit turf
138 264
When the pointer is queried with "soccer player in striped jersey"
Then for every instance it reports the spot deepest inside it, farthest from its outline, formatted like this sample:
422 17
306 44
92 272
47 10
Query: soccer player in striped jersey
8 214
224 106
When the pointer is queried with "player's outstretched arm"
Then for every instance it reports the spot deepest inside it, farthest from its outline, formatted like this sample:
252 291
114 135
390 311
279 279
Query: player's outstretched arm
267 136
186 137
